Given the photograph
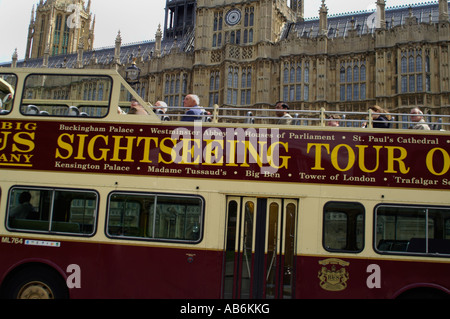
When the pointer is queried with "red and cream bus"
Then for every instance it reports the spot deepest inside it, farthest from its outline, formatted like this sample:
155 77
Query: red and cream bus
99 204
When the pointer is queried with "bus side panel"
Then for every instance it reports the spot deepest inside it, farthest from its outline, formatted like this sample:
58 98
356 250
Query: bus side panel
122 271
335 278
150 272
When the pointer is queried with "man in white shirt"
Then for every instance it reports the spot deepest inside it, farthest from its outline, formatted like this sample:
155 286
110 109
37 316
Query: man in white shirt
417 117
285 117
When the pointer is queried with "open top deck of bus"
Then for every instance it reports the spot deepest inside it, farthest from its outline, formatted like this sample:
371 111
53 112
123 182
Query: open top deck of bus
97 94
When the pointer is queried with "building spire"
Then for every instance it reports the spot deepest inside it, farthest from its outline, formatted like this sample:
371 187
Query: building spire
117 49
30 33
158 41
381 14
323 21
443 11
14 59
298 8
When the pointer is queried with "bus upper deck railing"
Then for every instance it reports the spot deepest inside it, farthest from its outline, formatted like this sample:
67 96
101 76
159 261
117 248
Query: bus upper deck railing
253 116
320 117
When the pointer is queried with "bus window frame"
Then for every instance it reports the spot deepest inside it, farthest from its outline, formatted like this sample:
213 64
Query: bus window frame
49 232
405 253
157 240
107 102
363 243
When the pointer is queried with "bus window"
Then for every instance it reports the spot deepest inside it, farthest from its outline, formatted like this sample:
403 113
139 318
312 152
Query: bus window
289 250
8 84
52 211
446 227
230 249
343 227
66 95
421 230
155 217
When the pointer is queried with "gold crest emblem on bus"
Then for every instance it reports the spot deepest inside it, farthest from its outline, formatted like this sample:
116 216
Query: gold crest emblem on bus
333 275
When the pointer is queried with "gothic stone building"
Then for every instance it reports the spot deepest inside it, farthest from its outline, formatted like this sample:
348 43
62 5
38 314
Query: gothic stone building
256 52
55 28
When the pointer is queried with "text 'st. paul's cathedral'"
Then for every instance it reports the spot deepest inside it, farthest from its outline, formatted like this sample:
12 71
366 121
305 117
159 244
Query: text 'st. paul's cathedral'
256 52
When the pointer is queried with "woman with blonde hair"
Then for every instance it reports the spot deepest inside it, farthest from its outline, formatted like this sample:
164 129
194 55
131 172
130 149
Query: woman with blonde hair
380 117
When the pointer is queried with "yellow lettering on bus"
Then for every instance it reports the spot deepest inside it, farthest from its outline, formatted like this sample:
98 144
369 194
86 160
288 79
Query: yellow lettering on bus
362 157
231 152
147 147
318 154
213 154
4 140
284 159
254 152
25 139
19 126
191 152
62 144
445 164
335 157
167 150
82 138
391 160
93 146
128 148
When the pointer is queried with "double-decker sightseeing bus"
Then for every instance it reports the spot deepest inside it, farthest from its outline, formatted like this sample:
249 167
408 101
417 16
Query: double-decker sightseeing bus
97 203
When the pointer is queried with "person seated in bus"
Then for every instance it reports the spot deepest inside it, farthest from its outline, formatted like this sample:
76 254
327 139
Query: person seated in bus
281 109
160 109
417 118
380 117
32 110
333 120
25 210
380 120
5 101
73 111
136 108
194 113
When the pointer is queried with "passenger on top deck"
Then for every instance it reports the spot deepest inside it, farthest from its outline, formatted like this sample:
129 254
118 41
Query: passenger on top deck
379 120
416 116
285 117
160 109
194 113
136 108
333 120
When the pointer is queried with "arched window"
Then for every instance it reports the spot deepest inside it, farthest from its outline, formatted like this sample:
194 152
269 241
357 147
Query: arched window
404 65
342 75
355 73
299 74
286 75
419 63
411 64
363 72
